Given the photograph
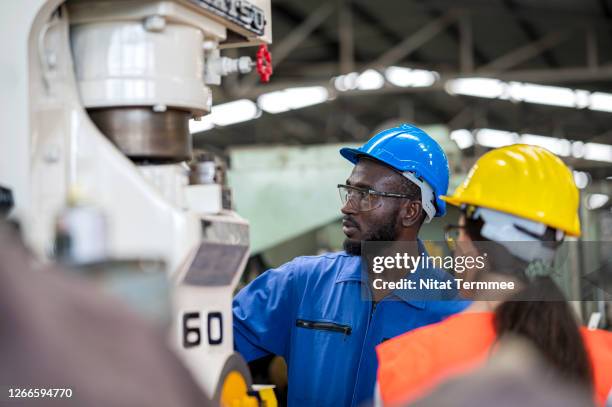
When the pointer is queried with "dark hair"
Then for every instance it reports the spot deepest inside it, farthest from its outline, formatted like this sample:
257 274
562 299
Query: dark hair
407 187
550 324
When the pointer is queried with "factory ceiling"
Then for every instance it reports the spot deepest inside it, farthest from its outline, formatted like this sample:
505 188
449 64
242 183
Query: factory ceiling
511 45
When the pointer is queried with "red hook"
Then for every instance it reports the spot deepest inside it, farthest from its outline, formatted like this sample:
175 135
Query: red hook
264 63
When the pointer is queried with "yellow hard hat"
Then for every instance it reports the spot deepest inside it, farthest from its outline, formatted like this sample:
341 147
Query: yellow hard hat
526 181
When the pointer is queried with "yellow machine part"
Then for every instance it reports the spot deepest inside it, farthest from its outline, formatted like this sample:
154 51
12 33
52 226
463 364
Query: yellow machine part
266 394
235 393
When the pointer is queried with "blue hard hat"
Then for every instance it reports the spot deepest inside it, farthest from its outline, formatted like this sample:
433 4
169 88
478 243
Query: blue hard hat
408 148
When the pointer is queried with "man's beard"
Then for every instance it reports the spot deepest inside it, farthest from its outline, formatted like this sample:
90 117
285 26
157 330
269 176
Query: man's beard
385 233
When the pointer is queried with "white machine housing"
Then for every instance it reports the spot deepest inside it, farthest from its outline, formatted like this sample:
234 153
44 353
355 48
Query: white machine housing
126 53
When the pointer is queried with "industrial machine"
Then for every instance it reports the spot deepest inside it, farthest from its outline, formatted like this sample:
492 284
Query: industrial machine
96 162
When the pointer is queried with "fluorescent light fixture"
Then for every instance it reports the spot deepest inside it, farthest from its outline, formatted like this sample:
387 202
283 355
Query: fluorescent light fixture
601 101
346 82
370 80
581 179
197 126
516 91
598 152
422 78
399 76
273 102
545 95
499 138
306 96
578 149
234 112
596 201
292 98
407 77
495 138
339 83
583 98
555 145
480 87
464 138
512 91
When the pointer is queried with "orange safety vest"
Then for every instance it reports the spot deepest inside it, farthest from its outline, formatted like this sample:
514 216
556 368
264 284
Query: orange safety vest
413 364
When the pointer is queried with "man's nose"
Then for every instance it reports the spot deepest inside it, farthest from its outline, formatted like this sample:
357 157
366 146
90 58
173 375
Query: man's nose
348 208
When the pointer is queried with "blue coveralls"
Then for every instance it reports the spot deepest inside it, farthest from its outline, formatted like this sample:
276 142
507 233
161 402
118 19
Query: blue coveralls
311 311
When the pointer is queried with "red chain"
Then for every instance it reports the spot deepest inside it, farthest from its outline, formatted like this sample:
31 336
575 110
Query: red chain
264 63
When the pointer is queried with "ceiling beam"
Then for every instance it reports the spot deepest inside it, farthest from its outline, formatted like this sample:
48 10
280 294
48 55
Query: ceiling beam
415 40
530 31
526 52
346 36
382 27
491 9
296 36
295 18
466 44
592 48
454 31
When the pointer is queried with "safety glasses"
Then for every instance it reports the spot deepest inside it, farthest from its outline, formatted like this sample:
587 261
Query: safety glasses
364 199
451 235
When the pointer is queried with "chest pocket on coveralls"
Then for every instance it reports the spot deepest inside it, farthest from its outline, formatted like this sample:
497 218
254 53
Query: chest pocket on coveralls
323 348
324 326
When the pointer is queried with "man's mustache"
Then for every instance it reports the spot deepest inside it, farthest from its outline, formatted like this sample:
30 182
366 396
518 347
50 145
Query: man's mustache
348 221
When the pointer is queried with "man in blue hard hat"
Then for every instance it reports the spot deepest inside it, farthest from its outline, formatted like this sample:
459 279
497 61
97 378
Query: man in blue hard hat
311 310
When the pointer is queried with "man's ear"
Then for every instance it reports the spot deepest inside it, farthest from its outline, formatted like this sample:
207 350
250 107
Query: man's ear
411 213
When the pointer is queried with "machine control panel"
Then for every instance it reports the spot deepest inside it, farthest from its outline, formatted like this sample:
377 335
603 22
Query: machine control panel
241 12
